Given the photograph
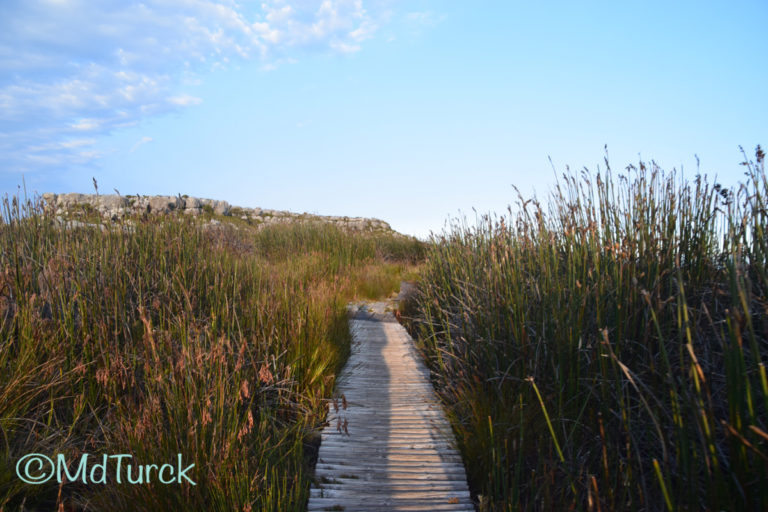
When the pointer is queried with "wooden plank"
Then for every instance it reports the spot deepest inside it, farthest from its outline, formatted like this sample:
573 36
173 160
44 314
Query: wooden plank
388 473
398 452
339 487
432 466
366 504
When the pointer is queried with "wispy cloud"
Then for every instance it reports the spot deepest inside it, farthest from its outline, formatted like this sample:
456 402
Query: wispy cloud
140 142
86 124
75 67
421 19
184 100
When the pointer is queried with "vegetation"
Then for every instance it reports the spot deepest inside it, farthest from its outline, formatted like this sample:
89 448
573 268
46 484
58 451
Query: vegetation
166 336
607 351
603 351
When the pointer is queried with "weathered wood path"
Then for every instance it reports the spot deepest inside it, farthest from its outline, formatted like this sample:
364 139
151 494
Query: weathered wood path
391 448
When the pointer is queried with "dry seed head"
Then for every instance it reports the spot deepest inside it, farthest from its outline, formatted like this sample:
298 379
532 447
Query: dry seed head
102 376
246 428
245 392
207 417
265 376
240 357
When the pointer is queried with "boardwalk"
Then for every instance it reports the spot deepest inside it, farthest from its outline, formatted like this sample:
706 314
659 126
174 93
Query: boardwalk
391 448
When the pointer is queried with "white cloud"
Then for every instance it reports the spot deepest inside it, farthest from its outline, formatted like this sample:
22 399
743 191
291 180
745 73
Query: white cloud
185 100
70 67
65 144
86 124
141 142
78 143
343 47
363 32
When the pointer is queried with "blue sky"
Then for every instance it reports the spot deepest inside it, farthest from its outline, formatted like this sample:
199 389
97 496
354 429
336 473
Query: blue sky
409 111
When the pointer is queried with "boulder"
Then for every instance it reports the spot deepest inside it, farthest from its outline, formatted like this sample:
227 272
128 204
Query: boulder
162 204
69 199
111 202
193 202
221 207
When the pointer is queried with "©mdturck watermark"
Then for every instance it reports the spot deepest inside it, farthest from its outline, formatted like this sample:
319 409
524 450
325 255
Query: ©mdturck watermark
36 468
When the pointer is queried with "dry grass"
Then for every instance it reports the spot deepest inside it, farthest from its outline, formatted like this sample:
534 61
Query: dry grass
168 338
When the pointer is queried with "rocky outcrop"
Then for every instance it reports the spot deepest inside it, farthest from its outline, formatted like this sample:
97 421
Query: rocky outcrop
116 207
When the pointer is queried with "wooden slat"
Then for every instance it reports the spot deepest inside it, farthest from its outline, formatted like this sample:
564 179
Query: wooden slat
398 451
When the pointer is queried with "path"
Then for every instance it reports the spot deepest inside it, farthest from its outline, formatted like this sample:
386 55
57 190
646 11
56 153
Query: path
396 452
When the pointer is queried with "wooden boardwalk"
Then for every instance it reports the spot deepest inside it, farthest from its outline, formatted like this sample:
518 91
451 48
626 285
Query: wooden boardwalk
391 448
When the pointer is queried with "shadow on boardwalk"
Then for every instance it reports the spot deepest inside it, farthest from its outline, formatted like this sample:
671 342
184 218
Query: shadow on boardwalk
396 452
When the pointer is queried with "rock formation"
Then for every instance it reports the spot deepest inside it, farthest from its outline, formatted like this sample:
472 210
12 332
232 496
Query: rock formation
116 207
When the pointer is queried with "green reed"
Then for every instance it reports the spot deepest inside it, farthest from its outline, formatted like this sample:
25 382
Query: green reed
636 301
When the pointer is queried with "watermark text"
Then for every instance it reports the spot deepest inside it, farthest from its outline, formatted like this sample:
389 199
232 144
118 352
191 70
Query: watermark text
36 468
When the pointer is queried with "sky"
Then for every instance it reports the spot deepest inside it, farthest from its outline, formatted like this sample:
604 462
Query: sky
414 112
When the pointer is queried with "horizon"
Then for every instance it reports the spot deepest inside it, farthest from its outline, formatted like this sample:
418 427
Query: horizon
411 113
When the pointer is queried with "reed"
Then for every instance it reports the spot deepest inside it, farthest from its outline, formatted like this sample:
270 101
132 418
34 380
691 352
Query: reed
606 350
162 337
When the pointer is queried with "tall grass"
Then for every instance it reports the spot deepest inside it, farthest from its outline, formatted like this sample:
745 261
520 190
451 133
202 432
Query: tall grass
162 338
286 241
607 351
372 263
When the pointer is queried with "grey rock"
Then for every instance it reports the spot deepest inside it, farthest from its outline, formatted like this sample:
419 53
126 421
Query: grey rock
117 207
112 202
69 199
162 204
221 207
